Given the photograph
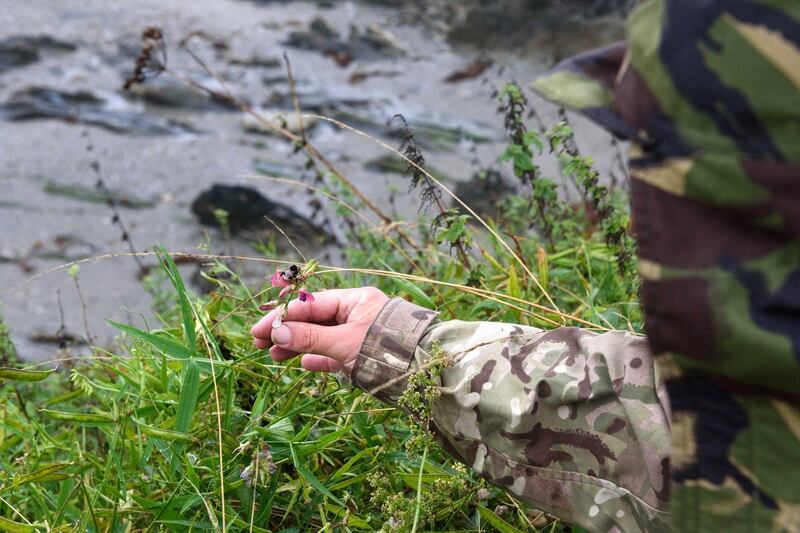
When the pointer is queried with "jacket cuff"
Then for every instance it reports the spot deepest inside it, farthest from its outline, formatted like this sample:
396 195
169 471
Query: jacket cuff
386 354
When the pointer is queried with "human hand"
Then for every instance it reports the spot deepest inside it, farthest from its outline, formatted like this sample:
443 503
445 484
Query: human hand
328 330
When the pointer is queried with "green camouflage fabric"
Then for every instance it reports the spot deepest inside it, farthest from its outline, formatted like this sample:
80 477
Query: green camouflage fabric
573 422
708 91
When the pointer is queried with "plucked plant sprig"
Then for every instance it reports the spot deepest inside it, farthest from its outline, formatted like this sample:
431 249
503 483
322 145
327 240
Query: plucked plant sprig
612 219
545 209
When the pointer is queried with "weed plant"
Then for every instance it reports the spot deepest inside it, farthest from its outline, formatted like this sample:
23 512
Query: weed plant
184 426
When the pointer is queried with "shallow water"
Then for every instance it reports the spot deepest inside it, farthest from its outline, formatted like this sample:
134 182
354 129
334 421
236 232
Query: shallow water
40 230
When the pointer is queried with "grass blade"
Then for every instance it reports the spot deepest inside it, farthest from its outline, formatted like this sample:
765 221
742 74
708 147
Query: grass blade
186 309
190 389
164 344
311 478
498 523
15 527
48 473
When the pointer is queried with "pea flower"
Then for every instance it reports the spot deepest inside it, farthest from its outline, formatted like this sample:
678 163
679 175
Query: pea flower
305 296
290 281
278 279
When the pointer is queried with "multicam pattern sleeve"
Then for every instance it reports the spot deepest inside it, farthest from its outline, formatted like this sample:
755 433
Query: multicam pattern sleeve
573 422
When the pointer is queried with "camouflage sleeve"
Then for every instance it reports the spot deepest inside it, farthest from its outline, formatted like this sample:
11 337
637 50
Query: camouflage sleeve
573 422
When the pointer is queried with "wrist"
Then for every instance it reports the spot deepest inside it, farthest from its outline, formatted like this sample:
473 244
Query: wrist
382 364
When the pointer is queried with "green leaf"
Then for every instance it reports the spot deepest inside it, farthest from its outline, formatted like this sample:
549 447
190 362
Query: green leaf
190 389
281 430
83 418
311 478
416 293
186 309
498 523
164 344
48 473
17 374
15 527
514 290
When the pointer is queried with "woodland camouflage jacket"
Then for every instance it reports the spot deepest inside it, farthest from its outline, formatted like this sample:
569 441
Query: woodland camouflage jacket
578 424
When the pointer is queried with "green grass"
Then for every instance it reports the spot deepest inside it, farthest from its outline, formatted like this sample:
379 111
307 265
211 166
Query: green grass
185 426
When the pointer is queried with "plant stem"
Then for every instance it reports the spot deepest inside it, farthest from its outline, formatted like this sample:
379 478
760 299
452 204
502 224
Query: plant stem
419 487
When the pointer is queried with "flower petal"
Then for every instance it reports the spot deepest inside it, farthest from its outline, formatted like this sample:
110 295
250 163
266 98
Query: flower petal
305 296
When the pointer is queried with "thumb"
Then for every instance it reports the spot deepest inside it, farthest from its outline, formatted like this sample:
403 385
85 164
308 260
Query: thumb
337 342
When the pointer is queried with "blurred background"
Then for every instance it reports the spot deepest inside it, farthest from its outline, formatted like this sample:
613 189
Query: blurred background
87 169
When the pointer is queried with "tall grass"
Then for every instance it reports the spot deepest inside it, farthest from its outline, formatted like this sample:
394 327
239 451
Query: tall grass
183 425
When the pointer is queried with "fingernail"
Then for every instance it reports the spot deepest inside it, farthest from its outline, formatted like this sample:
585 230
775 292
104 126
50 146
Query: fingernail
281 335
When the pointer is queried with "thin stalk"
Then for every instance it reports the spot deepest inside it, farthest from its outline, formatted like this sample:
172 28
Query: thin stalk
419 487
449 192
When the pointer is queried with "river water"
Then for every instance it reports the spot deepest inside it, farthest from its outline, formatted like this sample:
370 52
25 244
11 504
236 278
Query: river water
161 155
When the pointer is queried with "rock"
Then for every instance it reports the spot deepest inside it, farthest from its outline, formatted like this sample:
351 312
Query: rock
247 209
470 71
319 36
507 23
369 44
168 92
255 61
278 170
287 119
97 196
444 135
85 107
360 76
393 164
325 101
484 192
23 50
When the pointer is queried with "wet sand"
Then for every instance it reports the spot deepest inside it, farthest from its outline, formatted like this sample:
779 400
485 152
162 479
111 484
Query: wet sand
170 170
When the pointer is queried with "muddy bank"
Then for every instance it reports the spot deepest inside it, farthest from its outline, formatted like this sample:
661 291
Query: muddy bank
67 124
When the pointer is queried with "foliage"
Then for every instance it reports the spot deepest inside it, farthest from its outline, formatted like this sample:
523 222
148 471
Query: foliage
8 353
186 426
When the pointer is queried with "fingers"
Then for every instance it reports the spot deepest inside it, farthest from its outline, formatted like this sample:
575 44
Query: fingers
309 361
324 308
338 342
280 354
320 363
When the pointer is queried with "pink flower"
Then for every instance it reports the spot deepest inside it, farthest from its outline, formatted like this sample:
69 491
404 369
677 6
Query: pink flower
278 280
284 292
305 296
269 306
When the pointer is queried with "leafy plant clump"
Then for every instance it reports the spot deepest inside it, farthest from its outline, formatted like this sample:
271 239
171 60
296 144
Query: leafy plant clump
184 425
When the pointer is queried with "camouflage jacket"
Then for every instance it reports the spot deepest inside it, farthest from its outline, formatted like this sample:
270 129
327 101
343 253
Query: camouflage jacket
573 422
709 94
708 91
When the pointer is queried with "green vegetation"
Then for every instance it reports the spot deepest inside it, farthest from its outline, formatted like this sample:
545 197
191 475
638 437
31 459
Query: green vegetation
185 426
